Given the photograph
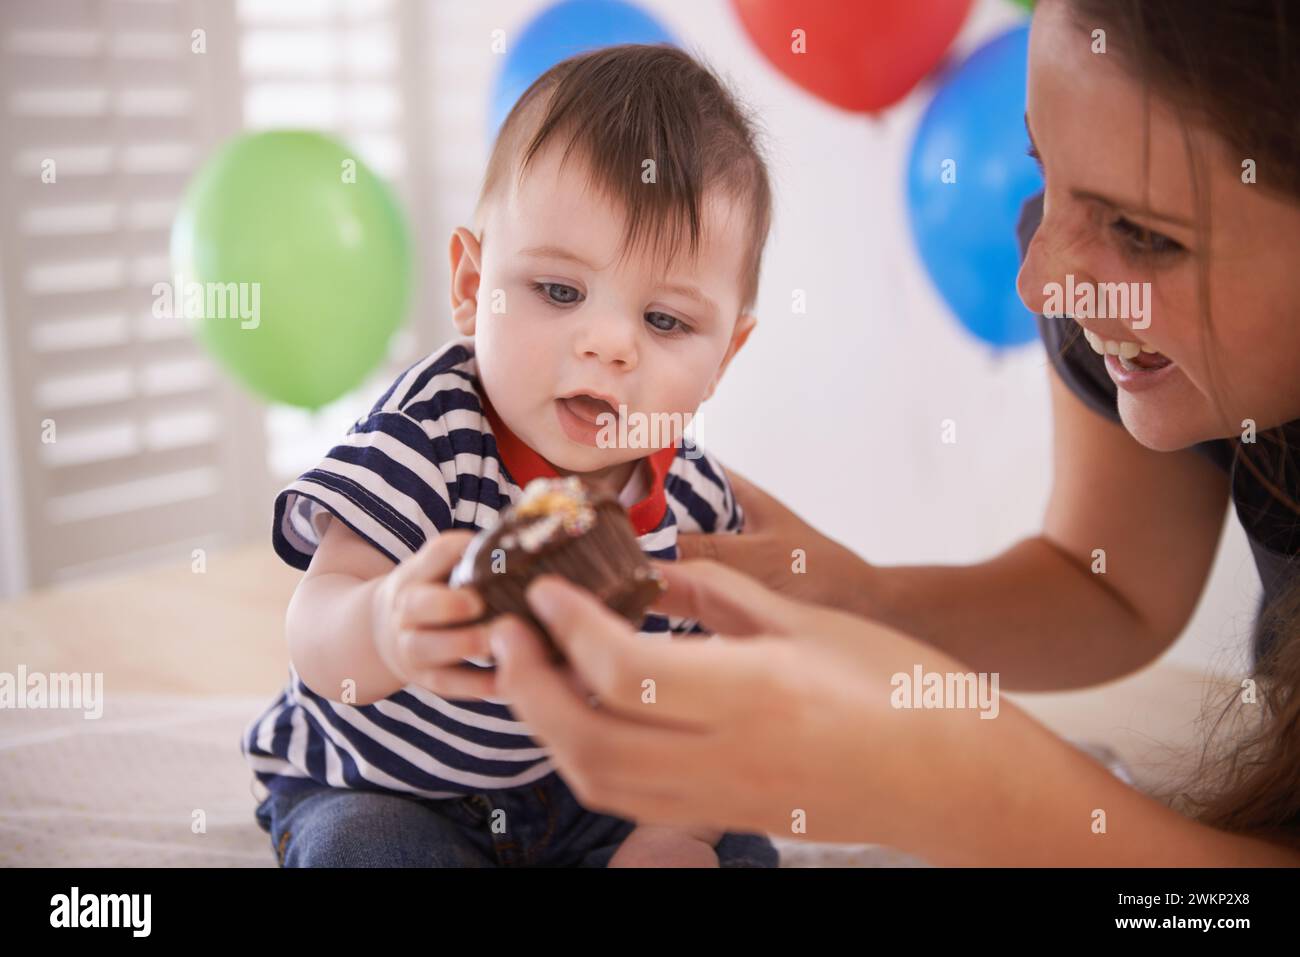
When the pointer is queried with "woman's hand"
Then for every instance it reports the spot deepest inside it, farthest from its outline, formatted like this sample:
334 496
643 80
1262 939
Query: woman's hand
785 553
754 731
788 728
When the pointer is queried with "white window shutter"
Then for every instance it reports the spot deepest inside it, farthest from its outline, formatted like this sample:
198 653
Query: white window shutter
355 69
157 452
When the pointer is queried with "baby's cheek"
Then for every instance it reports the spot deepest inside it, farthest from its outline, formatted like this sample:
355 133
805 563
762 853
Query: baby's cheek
684 397
501 337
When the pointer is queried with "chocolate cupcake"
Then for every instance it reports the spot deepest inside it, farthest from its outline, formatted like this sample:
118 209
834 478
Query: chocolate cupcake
560 526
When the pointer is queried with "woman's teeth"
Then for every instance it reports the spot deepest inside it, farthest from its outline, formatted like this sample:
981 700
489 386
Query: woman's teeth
1132 356
1112 347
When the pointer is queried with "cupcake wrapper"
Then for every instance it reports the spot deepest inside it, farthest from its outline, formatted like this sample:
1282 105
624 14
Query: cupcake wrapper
606 560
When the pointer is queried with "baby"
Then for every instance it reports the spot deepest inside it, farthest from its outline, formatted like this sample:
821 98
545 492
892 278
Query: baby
604 289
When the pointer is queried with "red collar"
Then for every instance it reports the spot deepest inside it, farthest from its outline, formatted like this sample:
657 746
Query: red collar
524 465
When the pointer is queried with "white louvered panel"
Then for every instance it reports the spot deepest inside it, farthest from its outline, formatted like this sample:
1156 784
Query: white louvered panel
94 386
119 439
78 333
109 504
174 501
155 451
354 69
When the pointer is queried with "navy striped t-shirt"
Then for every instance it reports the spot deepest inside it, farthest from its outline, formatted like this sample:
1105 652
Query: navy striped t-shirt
432 455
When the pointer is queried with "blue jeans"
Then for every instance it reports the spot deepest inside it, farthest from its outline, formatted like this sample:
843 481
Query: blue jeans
537 825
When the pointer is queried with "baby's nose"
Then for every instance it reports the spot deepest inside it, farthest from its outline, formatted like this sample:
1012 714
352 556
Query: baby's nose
609 341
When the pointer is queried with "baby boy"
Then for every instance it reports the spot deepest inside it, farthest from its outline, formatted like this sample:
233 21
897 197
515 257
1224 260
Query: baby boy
604 289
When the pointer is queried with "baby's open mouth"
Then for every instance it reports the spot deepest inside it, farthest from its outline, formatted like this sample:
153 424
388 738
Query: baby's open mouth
589 408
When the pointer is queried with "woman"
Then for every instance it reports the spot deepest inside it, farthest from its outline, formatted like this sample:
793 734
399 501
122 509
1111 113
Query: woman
1171 156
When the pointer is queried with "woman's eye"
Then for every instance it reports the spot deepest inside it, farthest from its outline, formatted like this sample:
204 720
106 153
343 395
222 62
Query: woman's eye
558 293
666 323
1144 241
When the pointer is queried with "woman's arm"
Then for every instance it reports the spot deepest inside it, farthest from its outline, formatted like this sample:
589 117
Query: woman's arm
1037 613
800 738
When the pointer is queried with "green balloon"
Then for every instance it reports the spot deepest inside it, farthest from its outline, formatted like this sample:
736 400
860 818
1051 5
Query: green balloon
292 261
1027 4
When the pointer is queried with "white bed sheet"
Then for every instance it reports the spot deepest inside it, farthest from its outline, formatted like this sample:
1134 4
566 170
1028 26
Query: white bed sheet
123 790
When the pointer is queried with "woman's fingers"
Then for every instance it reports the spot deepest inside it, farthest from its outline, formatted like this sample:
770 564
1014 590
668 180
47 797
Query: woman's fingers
726 601
539 688
629 765
603 757
630 675
734 550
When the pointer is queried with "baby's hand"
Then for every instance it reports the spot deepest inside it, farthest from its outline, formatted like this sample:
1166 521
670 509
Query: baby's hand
415 619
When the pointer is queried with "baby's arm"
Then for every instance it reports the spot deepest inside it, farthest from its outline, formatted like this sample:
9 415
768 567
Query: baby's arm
357 617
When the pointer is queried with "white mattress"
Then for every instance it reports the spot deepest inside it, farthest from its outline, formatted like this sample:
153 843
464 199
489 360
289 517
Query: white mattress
123 790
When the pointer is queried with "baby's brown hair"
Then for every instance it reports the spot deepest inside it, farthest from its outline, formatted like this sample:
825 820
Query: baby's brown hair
623 105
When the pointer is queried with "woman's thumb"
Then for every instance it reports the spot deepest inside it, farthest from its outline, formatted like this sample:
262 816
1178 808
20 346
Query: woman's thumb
715 548
515 649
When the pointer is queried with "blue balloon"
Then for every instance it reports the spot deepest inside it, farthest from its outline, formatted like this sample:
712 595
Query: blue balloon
564 30
965 230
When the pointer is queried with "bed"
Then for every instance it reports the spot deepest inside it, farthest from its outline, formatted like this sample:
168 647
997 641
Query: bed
189 657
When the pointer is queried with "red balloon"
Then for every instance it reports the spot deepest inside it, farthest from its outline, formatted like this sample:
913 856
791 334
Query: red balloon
862 55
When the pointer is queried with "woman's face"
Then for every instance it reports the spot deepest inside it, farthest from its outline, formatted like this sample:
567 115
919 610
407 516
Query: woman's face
1120 207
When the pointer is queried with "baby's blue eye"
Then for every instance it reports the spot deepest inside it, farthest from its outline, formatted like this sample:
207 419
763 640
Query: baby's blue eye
558 292
664 322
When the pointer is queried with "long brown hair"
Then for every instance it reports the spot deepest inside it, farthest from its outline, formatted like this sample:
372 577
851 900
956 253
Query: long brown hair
1235 67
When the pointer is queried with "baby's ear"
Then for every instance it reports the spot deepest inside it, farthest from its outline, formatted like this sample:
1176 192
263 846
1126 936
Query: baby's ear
745 324
466 267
